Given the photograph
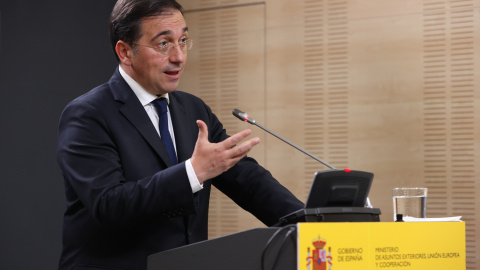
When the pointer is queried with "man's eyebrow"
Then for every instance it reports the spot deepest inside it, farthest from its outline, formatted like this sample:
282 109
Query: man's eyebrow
167 32
163 33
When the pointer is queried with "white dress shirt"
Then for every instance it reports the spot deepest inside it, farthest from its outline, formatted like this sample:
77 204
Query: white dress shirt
146 100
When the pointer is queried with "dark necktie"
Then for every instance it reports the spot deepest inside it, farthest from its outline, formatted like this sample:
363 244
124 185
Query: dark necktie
161 106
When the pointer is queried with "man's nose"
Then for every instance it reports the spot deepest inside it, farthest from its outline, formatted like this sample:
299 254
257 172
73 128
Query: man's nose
178 55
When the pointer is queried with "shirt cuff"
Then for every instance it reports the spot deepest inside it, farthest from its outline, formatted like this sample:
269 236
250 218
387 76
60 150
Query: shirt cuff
192 177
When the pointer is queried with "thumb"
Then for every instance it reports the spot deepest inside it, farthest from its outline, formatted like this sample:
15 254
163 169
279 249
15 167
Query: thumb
202 130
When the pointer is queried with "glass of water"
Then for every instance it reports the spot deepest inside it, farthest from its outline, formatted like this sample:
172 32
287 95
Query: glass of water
410 202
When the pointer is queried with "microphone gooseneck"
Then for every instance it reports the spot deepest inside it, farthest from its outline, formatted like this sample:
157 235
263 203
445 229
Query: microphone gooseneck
245 117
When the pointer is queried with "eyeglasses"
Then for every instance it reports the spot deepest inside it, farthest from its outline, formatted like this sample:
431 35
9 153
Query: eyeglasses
166 48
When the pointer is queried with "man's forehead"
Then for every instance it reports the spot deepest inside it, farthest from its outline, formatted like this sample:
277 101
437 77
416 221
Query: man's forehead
171 21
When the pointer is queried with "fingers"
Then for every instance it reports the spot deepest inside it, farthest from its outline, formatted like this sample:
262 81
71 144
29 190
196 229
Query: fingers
242 150
239 151
235 139
202 130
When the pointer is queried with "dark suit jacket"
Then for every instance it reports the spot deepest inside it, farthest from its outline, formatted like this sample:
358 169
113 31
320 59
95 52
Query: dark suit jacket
124 198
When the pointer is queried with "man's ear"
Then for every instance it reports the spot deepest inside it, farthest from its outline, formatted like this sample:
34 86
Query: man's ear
124 52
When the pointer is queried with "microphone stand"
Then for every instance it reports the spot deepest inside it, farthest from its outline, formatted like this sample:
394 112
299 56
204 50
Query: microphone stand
296 147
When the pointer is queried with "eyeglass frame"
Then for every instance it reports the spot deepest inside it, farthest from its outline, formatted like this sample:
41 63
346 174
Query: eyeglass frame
171 47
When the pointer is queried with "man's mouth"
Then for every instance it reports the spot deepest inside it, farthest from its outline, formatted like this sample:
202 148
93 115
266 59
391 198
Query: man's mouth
172 72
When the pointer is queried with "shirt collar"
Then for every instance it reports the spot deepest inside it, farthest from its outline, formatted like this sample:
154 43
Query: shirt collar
142 95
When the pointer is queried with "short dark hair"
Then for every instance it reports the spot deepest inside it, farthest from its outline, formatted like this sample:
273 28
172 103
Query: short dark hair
127 15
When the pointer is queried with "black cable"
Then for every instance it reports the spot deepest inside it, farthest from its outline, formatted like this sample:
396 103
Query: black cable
285 238
290 228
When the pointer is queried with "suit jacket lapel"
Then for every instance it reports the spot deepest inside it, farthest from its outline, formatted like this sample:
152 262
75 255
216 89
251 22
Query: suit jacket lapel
185 128
135 113
186 134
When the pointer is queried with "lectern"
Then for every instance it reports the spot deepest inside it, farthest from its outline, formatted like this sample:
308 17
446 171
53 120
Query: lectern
327 245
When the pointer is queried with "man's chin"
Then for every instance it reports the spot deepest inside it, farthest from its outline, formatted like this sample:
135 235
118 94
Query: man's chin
170 88
170 85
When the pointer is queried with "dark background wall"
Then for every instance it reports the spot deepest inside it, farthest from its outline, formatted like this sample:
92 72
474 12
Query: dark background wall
50 52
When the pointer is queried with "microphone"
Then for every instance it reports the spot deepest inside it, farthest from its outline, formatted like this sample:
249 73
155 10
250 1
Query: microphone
245 117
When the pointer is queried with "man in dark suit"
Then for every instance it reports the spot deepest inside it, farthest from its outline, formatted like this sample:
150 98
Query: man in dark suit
128 195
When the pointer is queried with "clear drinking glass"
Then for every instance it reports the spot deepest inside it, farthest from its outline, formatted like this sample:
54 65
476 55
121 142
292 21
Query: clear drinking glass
410 202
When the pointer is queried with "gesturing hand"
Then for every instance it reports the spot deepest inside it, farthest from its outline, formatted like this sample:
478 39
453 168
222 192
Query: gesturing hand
211 159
